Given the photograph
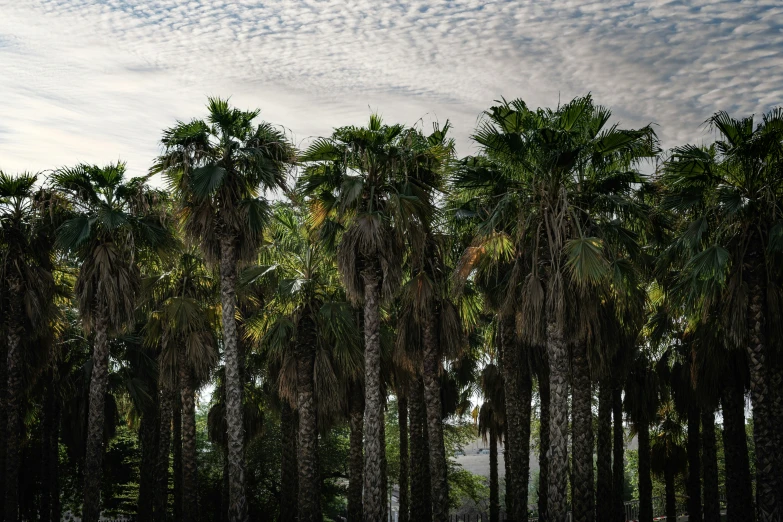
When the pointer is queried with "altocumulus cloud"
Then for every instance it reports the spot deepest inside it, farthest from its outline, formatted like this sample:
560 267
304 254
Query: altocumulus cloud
88 80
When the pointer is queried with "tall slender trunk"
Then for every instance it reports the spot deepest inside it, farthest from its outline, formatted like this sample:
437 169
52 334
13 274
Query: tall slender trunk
517 423
13 404
604 475
494 493
671 500
54 464
508 497
763 429
3 419
645 473
289 469
189 490
710 457
384 469
356 457
402 416
49 455
618 456
739 497
307 445
693 482
148 437
543 434
176 452
776 406
558 422
431 376
582 437
418 453
99 383
374 447
237 507
164 451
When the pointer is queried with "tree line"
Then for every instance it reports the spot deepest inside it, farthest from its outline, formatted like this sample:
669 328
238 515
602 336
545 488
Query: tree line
587 285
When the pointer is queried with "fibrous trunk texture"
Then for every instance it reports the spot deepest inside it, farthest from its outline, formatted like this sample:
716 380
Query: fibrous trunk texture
307 446
165 416
3 419
693 447
763 430
237 507
419 457
645 477
99 382
618 456
440 490
671 500
494 493
189 508
148 437
289 469
404 498
543 454
604 453
582 437
739 497
54 464
13 403
356 458
710 465
515 371
558 422
374 447
176 453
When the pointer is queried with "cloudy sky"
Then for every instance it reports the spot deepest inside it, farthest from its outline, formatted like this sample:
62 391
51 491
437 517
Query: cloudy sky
97 80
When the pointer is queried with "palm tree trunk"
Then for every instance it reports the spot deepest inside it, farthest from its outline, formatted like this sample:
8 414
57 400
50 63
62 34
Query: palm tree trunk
582 437
164 450
508 498
543 445
710 456
739 497
402 416
3 419
49 454
289 469
494 493
515 370
307 445
237 507
440 489
384 470
645 477
149 453
418 454
176 453
54 464
604 475
763 431
13 405
693 447
558 422
356 457
374 447
99 383
776 387
189 490
671 500
618 457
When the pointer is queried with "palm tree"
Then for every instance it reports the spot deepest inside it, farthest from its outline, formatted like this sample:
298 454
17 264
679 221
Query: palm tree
309 328
217 169
567 178
492 423
668 455
27 288
730 191
111 221
360 174
181 317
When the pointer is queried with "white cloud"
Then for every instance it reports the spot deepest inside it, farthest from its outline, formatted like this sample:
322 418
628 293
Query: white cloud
83 80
